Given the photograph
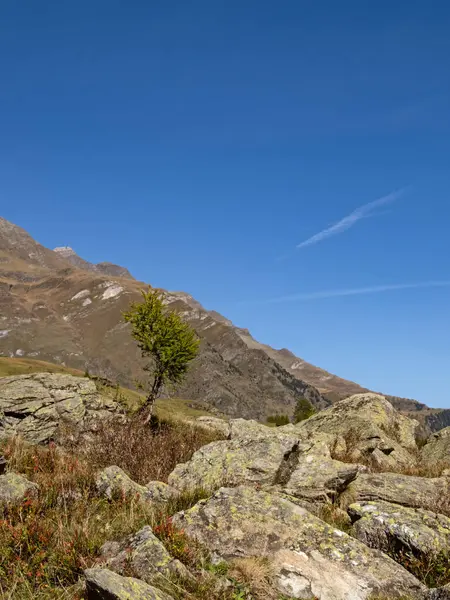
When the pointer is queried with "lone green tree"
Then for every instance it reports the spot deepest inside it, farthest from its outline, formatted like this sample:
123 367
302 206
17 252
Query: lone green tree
303 410
164 338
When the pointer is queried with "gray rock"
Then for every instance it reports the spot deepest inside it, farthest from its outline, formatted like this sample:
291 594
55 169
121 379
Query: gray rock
145 555
316 476
442 593
102 584
268 457
14 488
157 491
415 492
113 482
310 559
34 406
232 462
367 427
437 449
385 526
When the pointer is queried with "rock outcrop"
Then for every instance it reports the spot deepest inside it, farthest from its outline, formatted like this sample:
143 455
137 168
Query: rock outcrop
414 492
14 488
366 427
35 406
389 526
310 558
437 449
145 555
103 584
113 482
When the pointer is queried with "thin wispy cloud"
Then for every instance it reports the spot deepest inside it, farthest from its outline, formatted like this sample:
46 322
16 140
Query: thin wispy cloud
367 210
375 289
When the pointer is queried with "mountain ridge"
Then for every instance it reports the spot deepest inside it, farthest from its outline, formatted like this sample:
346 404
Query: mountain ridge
58 307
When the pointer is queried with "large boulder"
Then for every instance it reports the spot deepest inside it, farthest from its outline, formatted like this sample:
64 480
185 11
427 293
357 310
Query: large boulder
145 555
103 584
437 449
312 475
232 462
366 427
14 488
278 457
415 492
390 526
34 406
310 559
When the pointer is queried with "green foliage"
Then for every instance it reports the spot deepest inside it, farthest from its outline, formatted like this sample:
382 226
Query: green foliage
165 338
278 420
303 410
433 569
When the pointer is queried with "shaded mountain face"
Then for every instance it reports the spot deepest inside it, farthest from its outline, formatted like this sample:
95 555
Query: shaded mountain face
56 306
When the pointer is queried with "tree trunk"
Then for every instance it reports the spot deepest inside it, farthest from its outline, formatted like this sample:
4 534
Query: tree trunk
147 409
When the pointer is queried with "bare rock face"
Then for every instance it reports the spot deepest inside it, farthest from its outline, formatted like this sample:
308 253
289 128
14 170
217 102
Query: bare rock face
382 525
311 559
103 584
414 492
367 427
438 448
34 406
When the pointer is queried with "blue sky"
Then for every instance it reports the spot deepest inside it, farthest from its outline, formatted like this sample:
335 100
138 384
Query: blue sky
237 150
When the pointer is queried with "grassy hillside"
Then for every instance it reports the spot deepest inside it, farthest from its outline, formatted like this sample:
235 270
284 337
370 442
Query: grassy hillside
167 408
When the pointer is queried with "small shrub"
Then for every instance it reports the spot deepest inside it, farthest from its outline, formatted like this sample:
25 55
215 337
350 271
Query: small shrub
178 544
278 420
303 410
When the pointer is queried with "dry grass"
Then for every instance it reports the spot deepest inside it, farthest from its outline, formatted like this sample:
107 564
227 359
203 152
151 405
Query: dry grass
146 454
255 576
334 516
47 542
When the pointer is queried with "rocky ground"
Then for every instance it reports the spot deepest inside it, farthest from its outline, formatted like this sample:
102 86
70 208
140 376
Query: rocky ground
342 506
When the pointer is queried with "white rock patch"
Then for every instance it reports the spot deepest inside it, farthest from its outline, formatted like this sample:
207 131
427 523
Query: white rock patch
4 332
20 352
86 302
112 291
80 295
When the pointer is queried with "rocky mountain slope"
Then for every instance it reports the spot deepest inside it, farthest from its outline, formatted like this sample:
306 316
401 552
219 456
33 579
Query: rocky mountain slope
342 506
55 306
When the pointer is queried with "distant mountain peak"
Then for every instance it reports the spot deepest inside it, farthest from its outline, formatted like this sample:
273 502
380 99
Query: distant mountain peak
65 251
106 268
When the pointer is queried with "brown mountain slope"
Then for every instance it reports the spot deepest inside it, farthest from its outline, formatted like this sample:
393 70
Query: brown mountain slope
70 313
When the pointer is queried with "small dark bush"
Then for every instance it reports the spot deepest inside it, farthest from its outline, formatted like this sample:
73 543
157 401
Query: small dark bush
303 410
278 420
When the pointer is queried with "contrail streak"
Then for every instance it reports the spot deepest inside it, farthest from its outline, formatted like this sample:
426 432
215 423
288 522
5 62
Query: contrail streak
375 289
363 211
